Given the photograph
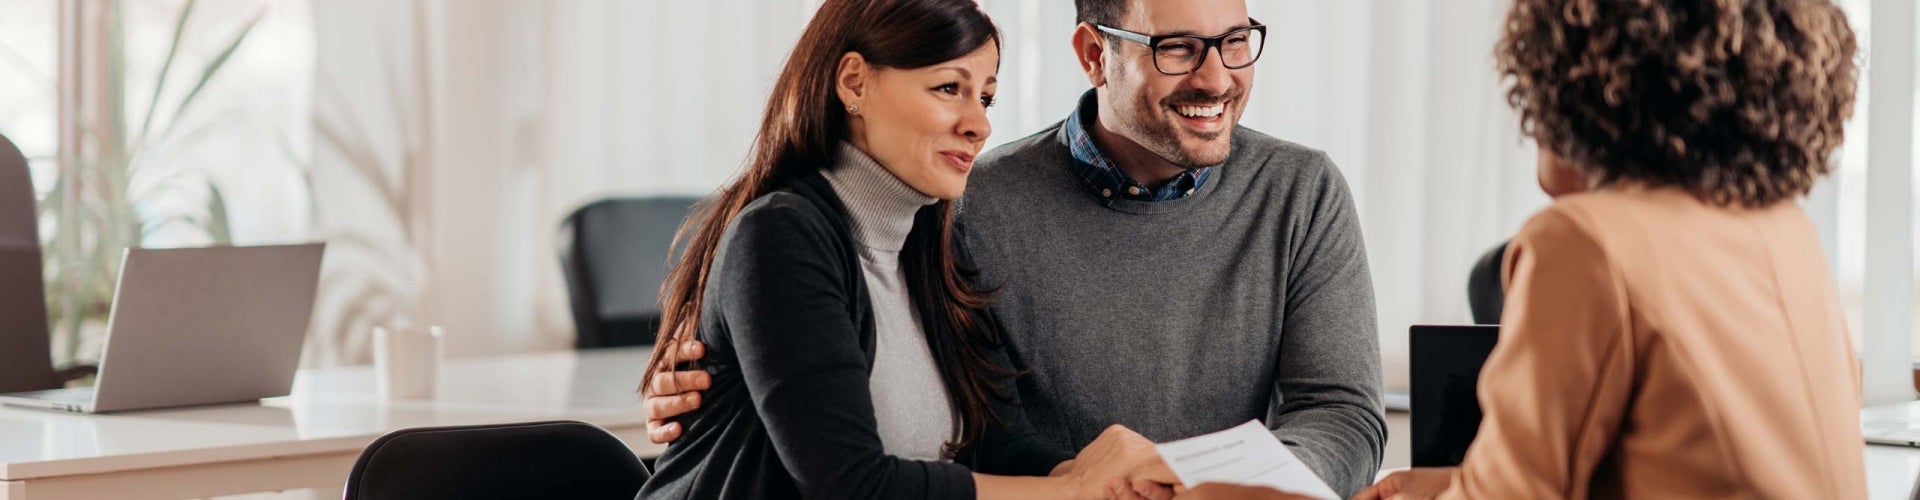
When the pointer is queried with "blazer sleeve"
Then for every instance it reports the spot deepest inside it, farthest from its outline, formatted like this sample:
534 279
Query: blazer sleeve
1554 388
785 304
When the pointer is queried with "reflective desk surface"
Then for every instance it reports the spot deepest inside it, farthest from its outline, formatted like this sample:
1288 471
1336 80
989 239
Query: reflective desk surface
308 439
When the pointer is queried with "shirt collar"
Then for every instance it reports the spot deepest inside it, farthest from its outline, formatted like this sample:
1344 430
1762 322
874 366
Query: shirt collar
1103 177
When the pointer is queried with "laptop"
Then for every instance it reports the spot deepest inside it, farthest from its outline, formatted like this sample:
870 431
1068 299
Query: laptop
198 326
1444 367
1895 424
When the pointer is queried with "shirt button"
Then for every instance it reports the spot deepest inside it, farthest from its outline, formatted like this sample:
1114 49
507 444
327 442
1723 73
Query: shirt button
1106 193
1133 190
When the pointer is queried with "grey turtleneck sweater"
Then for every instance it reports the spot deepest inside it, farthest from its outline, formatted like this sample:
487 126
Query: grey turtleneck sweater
909 402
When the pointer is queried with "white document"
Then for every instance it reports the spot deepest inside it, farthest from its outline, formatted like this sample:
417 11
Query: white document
1247 454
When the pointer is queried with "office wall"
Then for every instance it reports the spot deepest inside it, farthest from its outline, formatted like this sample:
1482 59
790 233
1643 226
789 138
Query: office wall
456 135
487 120
444 139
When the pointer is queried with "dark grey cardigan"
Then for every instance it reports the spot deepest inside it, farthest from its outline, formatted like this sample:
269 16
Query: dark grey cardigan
790 343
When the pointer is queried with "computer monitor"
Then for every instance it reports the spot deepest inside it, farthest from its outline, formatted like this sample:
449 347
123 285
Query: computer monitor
1445 368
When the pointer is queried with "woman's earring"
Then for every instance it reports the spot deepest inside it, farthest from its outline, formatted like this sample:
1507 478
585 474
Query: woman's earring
853 109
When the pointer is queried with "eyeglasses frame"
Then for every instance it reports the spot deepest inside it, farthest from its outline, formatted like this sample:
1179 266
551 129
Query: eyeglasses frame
1208 44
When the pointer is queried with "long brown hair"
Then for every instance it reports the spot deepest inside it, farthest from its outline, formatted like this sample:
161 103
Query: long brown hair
804 122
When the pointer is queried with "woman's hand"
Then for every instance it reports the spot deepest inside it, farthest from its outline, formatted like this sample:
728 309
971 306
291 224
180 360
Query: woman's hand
1410 484
1212 491
1151 480
1117 452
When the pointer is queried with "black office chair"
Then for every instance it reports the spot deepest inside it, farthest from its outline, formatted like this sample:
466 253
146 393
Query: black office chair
507 461
1485 294
614 254
24 361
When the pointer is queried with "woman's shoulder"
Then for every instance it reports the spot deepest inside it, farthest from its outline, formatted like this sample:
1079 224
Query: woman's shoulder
773 236
1579 227
1629 227
794 222
1618 212
1566 224
785 212
778 208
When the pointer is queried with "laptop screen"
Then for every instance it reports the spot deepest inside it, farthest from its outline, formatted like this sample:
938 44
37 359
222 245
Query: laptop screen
1445 366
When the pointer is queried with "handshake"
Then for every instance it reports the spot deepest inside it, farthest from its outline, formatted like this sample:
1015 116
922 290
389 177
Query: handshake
1245 461
1122 464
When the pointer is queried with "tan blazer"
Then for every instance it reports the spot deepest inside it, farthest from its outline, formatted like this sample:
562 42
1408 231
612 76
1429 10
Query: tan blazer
1654 346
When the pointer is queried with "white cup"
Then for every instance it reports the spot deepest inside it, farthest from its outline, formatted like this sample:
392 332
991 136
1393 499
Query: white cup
406 361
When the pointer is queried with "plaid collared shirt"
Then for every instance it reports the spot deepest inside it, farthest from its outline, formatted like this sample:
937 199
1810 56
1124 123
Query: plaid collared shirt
1105 179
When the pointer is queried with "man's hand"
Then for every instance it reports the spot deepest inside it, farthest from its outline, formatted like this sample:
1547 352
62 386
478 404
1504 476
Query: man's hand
1410 484
1151 480
1104 463
673 394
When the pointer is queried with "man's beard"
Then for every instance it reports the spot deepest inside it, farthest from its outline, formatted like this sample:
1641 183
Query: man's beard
1155 132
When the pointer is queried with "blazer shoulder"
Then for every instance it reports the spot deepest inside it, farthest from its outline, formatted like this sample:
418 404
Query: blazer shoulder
782 221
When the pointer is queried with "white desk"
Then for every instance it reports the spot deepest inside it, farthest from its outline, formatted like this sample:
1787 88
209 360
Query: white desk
309 439
1891 470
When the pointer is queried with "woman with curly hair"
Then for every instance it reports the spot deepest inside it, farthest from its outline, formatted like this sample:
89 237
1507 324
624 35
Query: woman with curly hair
1670 328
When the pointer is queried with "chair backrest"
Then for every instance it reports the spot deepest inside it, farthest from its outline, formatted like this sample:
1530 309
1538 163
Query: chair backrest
529 460
1485 294
25 362
614 253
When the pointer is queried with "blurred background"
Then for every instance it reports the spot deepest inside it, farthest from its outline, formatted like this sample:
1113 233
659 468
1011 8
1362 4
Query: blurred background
436 145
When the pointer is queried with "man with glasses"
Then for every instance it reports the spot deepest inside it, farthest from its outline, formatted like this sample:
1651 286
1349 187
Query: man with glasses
1161 268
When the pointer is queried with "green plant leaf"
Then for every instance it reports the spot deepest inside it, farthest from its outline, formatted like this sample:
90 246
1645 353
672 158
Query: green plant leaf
19 61
213 68
154 227
159 84
305 168
50 207
218 226
361 157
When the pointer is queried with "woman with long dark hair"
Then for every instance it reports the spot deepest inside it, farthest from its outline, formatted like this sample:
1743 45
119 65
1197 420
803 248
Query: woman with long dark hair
851 355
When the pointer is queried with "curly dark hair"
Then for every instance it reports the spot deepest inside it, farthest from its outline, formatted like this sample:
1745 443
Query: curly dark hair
1740 102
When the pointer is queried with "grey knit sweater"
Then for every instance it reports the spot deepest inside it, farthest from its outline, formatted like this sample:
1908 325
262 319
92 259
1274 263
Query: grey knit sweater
1249 299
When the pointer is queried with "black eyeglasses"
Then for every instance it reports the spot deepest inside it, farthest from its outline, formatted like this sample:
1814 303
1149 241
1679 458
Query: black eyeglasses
1183 54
